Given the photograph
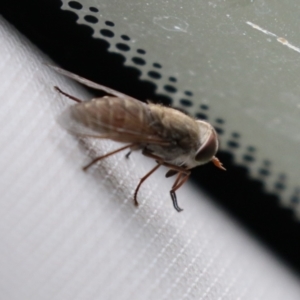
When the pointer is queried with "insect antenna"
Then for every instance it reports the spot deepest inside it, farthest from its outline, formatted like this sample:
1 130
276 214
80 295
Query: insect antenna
67 95
217 163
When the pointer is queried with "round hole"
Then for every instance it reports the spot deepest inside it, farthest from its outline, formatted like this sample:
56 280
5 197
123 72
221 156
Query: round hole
91 19
282 177
141 51
75 5
172 79
235 135
251 149
220 121
154 75
264 172
122 47
201 116
219 130
107 33
279 186
170 88
186 102
188 93
204 106
125 37
138 61
109 23
157 65
94 9
233 144
295 199
248 158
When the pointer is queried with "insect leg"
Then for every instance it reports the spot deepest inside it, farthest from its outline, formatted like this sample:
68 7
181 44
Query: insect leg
67 95
182 177
106 155
158 159
177 180
180 180
128 154
179 183
142 180
173 195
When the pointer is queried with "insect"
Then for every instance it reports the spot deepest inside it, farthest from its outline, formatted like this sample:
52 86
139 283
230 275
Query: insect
168 136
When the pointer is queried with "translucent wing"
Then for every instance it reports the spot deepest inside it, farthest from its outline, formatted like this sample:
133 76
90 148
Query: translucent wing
120 119
89 83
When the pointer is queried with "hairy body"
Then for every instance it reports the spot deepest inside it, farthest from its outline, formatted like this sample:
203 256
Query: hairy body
165 134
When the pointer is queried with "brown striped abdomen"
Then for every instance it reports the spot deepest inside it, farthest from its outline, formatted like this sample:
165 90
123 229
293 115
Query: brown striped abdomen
125 120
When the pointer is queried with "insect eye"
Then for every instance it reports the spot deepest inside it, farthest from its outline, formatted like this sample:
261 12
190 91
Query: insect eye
208 150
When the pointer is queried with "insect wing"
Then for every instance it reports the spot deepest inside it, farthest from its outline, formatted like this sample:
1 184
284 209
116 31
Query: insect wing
89 83
69 121
123 120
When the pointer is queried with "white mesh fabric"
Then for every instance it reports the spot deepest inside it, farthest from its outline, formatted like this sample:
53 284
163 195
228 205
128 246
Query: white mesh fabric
66 234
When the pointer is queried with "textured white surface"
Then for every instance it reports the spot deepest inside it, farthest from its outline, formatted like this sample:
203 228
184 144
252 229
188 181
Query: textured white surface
66 234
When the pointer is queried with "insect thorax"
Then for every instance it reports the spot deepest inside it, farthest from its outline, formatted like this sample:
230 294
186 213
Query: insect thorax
180 130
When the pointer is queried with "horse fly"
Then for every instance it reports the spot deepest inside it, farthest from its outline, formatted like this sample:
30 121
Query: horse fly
164 134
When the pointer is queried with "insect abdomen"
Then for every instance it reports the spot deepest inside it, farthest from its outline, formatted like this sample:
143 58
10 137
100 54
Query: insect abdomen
120 119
